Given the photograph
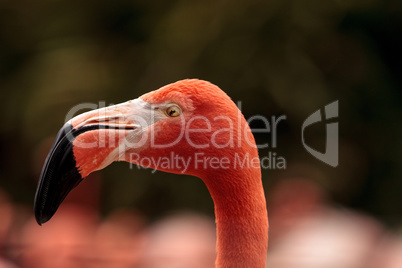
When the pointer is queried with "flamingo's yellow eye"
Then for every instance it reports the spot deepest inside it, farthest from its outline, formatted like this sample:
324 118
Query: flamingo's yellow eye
173 111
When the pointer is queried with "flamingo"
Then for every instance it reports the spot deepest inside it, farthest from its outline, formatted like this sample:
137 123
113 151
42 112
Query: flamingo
190 120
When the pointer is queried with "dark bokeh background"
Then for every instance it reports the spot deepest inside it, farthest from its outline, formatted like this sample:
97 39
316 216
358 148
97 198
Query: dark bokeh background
276 57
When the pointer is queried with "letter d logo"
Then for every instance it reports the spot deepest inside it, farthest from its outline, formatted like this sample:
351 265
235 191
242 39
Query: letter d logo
331 147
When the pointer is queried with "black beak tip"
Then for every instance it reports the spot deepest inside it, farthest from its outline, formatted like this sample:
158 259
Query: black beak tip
40 217
59 176
38 221
60 173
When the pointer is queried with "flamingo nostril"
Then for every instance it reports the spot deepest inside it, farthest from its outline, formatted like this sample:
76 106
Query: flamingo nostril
113 119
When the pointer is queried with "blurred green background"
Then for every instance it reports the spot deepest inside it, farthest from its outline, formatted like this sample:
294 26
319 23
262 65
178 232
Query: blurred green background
276 57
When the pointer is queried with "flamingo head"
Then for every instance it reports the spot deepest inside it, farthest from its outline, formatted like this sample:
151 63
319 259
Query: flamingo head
173 122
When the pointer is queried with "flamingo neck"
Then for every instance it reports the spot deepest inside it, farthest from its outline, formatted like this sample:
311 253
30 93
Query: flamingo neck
241 218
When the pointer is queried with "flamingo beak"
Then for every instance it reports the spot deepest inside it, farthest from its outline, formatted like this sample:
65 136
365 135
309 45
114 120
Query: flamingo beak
86 143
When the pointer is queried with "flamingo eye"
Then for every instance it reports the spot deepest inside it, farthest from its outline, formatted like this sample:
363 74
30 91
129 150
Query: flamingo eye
173 111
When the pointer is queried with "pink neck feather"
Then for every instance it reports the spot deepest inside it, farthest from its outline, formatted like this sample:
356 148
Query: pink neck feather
241 217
